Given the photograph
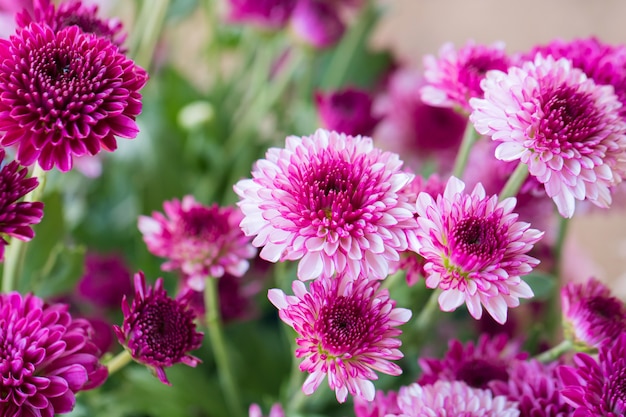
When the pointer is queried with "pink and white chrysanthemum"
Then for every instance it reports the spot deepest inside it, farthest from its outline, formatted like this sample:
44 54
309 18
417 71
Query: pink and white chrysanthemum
347 329
201 241
454 76
454 398
566 128
475 249
330 200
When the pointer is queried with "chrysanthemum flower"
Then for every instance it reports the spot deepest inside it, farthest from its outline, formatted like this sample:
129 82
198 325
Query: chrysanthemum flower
595 387
347 111
16 217
65 94
534 387
475 249
476 364
592 316
158 331
47 357
201 241
331 201
456 398
382 405
267 14
347 329
317 23
454 77
106 280
565 127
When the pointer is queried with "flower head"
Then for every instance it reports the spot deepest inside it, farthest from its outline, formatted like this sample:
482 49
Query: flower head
267 14
16 217
382 405
477 364
592 316
331 201
444 398
454 77
475 249
201 241
347 329
317 23
347 111
158 331
566 128
106 280
595 387
47 357
65 94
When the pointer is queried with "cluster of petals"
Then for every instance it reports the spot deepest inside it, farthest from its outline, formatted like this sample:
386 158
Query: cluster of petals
65 94
594 386
347 330
200 241
47 357
475 249
347 110
454 77
561 124
106 280
158 331
331 201
382 405
592 316
445 398
16 217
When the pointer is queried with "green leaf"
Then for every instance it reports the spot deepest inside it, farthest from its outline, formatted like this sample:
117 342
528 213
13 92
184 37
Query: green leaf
543 285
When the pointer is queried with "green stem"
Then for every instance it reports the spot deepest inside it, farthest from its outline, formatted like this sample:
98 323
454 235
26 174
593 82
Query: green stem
515 181
16 251
558 245
147 30
555 352
469 138
425 319
222 360
119 361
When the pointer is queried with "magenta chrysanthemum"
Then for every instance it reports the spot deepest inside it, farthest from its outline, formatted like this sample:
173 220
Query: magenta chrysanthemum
65 94
455 398
382 405
16 217
347 329
331 201
47 357
476 364
454 77
597 387
106 280
158 331
475 249
591 315
201 241
554 119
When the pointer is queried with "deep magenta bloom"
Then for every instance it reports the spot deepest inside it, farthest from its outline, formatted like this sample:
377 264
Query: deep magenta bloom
268 14
566 128
346 111
476 363
65 94
158 331
201 241
595 387
331 201
47 357
16 217
317 23
475 249
106 280
455 398
454 77
592 316
347 329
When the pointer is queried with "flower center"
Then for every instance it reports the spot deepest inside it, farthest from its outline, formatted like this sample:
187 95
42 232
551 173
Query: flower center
606 314
478 373
475 241
342 325
474 70
204 224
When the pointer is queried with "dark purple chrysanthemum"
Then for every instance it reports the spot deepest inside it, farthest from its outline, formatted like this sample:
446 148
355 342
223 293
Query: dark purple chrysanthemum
347 111
65 94
46 357
158 331
106 280
16 217
597 387
317 23
476 364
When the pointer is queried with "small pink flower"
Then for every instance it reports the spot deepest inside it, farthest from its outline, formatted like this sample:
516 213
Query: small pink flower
317 23
347 329
330 200
566 128
201 241
158 331
454 77
346 111
475 249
